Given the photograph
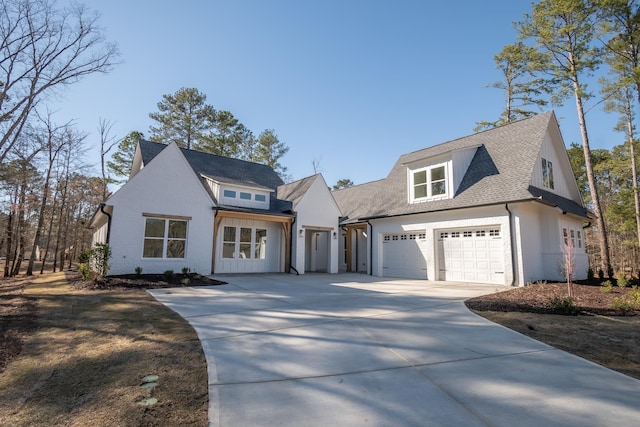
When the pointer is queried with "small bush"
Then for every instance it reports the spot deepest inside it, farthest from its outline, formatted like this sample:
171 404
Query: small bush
590 275
85 270
85 256
622 280
168 275
600 274
606 287
185 281
563 305
628 302
185 270
138 271
610 272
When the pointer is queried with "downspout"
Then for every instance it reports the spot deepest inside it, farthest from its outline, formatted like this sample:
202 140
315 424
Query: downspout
291 267
370 248
513 252
102 205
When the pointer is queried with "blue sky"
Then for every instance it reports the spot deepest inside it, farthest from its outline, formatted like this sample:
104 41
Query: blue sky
352 84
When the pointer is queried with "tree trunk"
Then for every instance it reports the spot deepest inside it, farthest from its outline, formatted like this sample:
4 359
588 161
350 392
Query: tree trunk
595 200
46 248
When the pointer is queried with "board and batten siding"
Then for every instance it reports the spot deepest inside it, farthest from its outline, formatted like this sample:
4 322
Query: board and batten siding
154 190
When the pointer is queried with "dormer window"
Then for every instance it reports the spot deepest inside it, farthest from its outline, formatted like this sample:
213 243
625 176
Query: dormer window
547 174
429 183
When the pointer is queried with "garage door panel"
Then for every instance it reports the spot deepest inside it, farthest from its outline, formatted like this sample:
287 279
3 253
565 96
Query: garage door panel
403 255
471 255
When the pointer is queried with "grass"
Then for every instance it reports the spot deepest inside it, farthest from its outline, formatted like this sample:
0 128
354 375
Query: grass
85 361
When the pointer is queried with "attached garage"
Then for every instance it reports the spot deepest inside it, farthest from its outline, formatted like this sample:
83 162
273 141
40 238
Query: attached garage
404 255
471 255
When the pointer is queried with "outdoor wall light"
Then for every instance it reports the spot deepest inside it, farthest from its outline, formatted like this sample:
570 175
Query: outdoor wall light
335 235
301 232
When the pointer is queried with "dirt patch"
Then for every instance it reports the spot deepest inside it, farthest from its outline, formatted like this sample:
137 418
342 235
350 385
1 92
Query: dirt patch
597 331
85 360
17 318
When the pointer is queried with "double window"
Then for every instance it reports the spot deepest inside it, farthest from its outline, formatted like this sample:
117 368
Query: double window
244 243
547 174
429 183
164 238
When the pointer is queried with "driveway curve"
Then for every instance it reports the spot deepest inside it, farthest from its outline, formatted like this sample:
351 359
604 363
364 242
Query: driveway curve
356 350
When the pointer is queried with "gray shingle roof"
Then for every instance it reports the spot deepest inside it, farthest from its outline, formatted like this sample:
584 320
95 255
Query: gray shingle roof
229 171
499 172
294 191
224 169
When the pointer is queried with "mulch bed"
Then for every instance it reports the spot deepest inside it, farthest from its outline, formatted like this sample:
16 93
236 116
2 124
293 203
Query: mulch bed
537 298
143 281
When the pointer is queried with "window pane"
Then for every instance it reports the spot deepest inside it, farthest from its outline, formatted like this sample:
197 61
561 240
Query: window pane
550 173
178 229
154 227
245 235
229 234
420 191
437 174
229 193
545 177
245 196
261 244
245 250
228 250
152 248
420 177
175 248
438 188
261 198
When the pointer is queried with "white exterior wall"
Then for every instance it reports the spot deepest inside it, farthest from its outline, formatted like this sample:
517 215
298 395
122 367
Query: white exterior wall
166 186
432 222
317 208
274 253
100 233
460 162
529 237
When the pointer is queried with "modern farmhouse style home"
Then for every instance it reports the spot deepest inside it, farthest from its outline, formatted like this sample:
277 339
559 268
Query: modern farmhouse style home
499 206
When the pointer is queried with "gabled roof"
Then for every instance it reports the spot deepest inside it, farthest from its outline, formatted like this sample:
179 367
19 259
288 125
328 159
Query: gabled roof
500 172
219 168
294 191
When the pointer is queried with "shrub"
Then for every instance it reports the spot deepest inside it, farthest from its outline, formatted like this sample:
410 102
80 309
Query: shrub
606 287
100 255
563 305
85 270
85 256
168 275
622 280
610 272
600 274
628 302
590 275
185 270
138 271
185 281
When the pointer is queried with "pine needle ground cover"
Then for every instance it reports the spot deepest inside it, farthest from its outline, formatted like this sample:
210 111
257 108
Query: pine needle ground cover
96 357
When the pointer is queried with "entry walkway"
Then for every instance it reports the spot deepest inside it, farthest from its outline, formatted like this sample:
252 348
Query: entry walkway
351 350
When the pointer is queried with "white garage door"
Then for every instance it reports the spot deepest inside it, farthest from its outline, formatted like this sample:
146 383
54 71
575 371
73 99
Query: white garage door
471 255
403 255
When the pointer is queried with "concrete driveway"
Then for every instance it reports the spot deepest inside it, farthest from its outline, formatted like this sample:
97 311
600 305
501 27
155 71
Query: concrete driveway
351 350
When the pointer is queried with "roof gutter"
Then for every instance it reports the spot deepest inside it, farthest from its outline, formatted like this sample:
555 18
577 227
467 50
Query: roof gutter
102 205
370 248
291 267
513 246
367 218
530 199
